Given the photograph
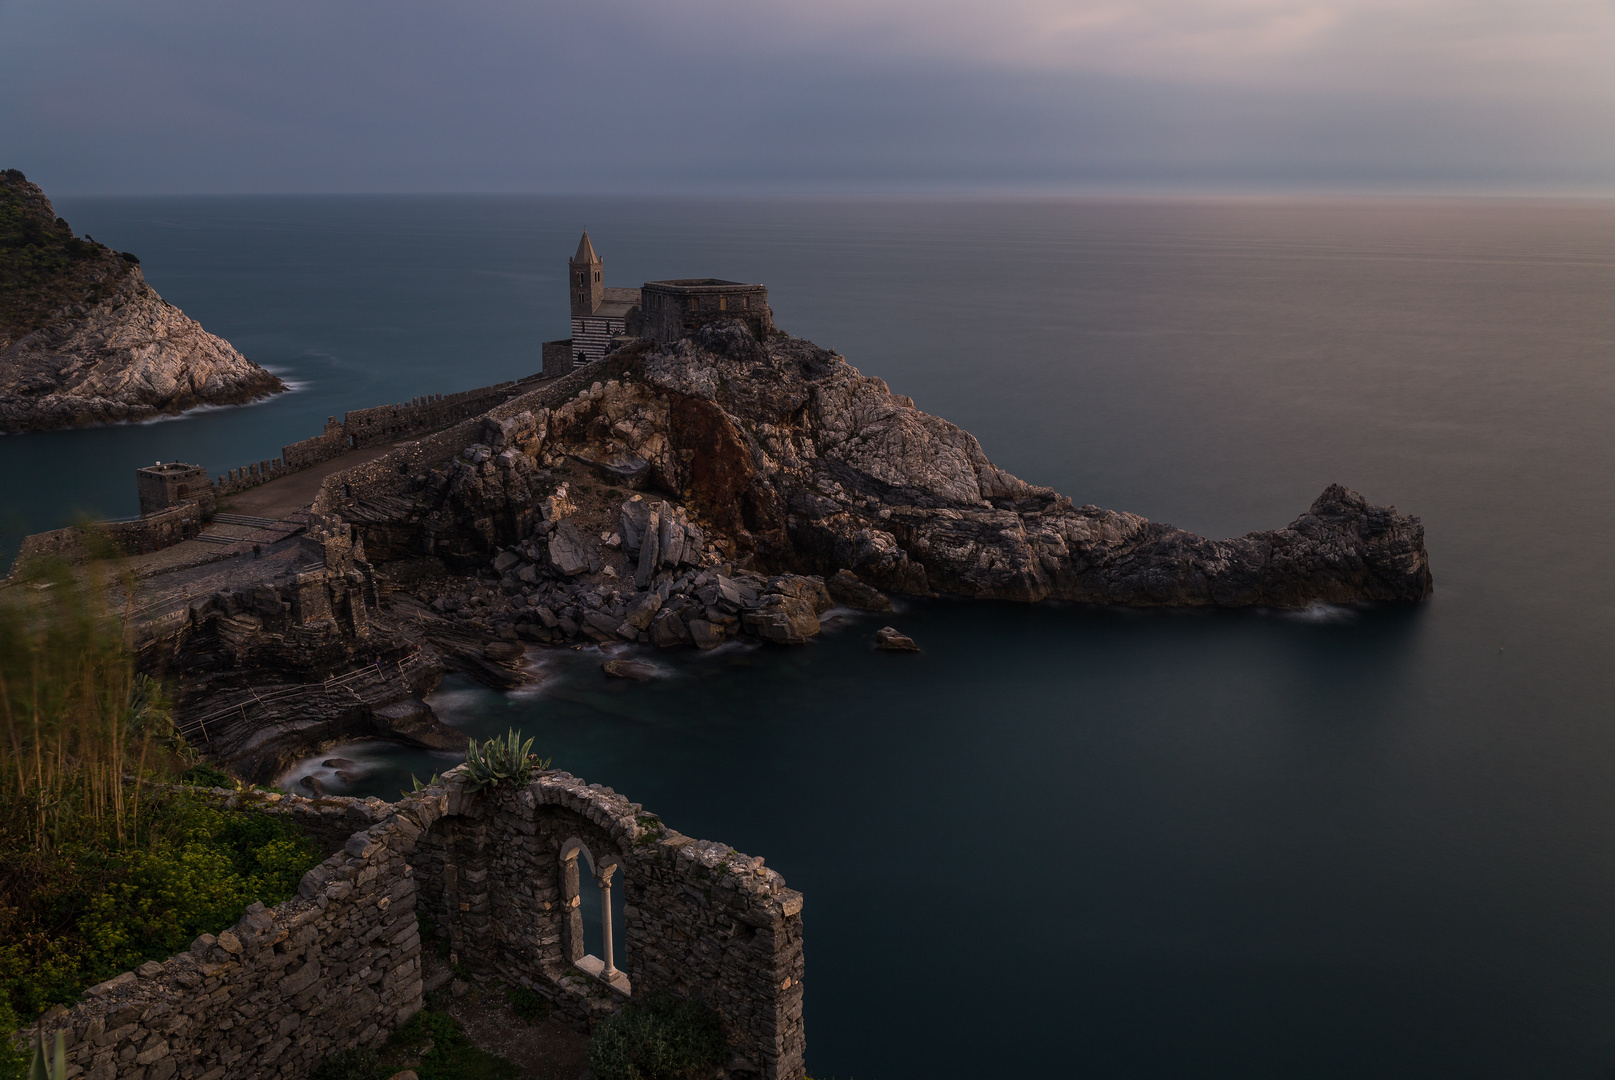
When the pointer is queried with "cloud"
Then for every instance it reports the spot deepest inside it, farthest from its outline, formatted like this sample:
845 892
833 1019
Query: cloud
354 95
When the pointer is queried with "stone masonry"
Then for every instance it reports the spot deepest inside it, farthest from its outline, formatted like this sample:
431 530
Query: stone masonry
339 965
499 872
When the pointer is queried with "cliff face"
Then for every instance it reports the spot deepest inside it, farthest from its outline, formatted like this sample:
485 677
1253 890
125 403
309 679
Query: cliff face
806 465
84 339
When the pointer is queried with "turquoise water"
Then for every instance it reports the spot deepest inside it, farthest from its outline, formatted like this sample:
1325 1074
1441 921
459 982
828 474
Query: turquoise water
1074 841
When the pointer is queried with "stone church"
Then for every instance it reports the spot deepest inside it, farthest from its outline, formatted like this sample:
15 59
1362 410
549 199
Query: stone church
659 310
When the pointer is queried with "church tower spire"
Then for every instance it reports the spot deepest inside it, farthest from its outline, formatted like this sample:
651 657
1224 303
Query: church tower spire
586 273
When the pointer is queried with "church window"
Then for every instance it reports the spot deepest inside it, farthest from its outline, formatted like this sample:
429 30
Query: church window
723 303
745 303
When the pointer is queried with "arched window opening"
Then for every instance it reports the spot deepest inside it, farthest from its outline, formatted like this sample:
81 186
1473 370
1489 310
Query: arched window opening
592 892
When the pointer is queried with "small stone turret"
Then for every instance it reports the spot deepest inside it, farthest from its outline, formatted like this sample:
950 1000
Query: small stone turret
163 485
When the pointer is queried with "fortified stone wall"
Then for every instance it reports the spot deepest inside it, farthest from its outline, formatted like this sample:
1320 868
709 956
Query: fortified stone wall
499 873
395 472
338 966
332 442
388 423
136 537
559 358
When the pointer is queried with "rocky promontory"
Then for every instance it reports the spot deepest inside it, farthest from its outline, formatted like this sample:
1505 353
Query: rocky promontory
795 462
85 340
679 495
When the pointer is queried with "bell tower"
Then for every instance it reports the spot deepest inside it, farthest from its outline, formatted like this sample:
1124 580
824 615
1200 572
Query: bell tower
587 278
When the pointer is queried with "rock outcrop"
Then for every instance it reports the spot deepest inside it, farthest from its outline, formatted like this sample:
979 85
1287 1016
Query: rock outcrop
797 463
85 340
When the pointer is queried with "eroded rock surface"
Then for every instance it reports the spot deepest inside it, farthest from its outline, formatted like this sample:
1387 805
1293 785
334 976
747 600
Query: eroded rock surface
800 463
85 340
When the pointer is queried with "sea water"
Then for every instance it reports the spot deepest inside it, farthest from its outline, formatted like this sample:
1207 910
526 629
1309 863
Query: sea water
1069 841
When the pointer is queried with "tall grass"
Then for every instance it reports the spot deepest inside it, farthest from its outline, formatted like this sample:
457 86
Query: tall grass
76 720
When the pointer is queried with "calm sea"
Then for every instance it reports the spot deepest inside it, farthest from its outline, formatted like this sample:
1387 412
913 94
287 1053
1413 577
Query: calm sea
1068 841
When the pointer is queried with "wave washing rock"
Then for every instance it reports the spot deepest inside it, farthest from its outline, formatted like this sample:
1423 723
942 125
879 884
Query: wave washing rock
803 464
85 340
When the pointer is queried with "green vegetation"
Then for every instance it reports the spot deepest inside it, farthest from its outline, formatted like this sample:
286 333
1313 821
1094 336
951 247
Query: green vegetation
43 266
502 761
527 1003
663 1038
104 861
435 1040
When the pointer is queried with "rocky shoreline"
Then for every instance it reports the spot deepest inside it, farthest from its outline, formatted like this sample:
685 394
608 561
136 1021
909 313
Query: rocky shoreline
85 340
682 496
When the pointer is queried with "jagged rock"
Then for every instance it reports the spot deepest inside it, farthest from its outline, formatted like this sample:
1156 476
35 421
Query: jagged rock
704 634
503 651
809 589
667 630
600 626
505 560
847 590
338 763
637 670
569 550
643 609
786 620
887 637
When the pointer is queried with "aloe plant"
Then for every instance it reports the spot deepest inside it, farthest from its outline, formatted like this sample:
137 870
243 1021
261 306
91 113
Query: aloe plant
500 761
57 1067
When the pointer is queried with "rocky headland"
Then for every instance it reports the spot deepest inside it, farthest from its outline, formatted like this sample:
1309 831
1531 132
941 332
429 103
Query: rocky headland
681 496
85 340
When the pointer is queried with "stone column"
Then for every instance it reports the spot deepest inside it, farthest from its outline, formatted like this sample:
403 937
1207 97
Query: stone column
603 879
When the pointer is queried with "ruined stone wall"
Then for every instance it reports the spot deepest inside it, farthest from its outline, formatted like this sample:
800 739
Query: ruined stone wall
703 921
338 966
135 537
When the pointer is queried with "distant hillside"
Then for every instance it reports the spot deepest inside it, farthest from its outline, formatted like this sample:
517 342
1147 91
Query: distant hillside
84 339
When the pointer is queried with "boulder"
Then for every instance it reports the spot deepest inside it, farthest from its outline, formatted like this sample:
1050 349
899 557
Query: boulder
643 609
845 589
569 549
667 630
786 620
637 670
502 651
809 589
704 634
887 637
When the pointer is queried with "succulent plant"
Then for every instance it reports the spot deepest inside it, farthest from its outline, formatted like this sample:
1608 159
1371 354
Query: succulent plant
500 761
56 1068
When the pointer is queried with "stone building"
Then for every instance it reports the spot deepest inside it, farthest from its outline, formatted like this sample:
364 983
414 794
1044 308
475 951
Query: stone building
660 311
599 313
161 486
677 309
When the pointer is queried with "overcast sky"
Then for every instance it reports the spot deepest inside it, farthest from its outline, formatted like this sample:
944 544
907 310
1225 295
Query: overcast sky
178 96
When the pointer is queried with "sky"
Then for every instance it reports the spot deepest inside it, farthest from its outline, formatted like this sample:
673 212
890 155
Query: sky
720 96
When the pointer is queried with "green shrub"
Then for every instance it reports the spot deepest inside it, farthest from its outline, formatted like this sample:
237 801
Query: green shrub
208 775
452 1057
359 1063
86 911
527 1004
663 1038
